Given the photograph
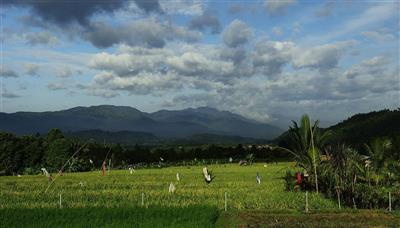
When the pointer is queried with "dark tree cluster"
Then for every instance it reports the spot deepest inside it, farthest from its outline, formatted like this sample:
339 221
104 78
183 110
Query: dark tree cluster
28 154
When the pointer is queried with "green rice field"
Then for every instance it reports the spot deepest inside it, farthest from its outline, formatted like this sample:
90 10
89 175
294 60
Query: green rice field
142 198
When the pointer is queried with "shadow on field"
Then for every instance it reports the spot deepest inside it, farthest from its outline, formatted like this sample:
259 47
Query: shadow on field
193 216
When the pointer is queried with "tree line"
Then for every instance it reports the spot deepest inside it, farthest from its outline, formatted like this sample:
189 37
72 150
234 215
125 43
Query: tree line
28 154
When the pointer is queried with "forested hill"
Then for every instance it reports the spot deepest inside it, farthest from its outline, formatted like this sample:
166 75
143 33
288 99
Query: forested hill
362 128
164 124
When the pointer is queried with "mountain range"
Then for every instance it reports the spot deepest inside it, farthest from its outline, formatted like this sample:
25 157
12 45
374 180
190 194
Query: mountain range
164 124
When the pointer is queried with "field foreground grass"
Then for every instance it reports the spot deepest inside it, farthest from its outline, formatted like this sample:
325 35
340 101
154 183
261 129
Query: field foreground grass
141 199
354 219
122 189
194 216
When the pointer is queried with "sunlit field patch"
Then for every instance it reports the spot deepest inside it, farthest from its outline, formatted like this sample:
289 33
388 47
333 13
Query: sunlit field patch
121 189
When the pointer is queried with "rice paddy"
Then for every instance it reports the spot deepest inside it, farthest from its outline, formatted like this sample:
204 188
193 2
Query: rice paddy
145 193
149 187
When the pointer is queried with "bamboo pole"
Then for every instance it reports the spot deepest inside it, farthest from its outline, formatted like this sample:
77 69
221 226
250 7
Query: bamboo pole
314 158
306 201
60 202
226 204
54 179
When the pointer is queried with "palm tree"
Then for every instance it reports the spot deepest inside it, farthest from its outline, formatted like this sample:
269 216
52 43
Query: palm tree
378 152
306 140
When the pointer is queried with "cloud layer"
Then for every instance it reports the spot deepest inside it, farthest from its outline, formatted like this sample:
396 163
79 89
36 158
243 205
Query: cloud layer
256 59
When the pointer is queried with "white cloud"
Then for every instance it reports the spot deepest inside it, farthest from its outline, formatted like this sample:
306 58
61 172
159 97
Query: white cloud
185 7
40 38
275 7
269 57
148 32
237 33
372 16
321 57
192 64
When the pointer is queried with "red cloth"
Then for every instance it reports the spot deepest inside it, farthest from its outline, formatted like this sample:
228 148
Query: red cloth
298 178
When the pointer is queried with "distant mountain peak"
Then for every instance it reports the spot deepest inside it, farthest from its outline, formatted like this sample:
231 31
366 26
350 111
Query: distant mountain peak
164 123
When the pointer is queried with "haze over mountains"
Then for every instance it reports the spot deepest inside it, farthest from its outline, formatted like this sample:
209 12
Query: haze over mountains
162 124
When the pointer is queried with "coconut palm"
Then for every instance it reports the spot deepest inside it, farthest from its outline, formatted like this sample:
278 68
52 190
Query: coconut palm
306 140
377 151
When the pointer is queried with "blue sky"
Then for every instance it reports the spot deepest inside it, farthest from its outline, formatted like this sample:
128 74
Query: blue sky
255 58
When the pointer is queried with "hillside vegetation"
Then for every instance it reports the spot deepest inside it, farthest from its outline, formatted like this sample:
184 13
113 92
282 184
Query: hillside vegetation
360 129
363 128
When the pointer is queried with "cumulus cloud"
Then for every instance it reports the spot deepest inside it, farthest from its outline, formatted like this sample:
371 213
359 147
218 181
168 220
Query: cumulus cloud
148 5
270 57
192 63
236 55
185 7
321 57
214 76
277 7
131 60
237 33
145 32
64 13
303 91
375 75
40 38
204 21
143 83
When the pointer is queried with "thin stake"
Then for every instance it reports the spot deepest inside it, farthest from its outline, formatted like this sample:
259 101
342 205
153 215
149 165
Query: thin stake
60 201
306 201
354 203
142 199
54 179
226 204
390 202
109 166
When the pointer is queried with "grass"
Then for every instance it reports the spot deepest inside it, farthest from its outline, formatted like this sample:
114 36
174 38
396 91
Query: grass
107 217
116 199
121 189
262 218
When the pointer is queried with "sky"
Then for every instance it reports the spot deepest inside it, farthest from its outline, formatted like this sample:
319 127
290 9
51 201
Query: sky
259 58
